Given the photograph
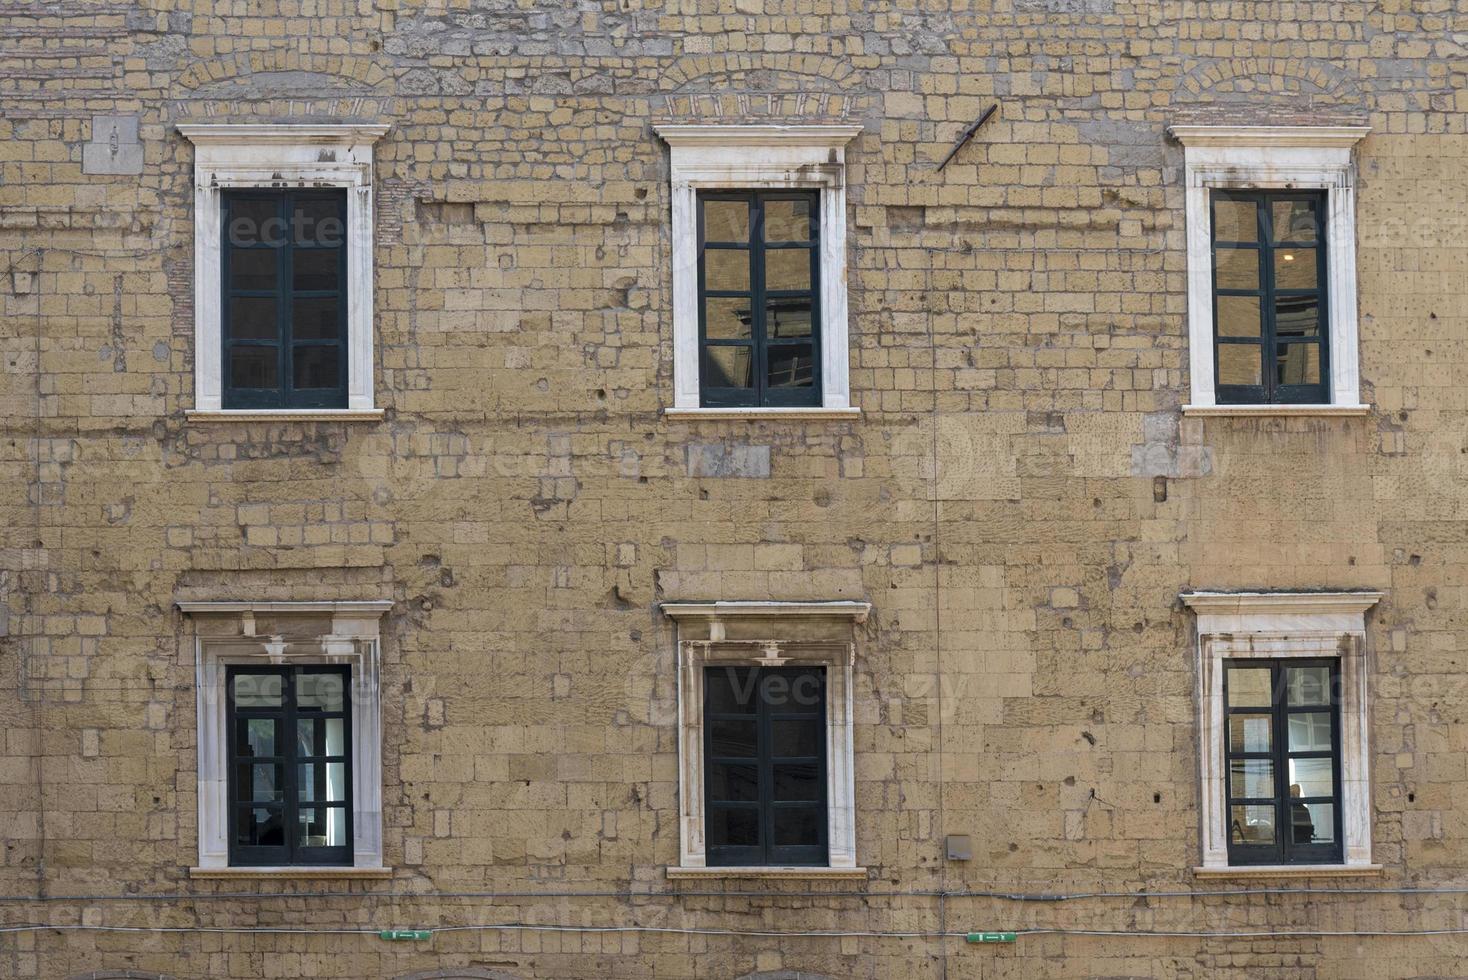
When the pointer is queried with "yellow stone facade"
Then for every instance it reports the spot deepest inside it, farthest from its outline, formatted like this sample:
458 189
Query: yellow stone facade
1022 500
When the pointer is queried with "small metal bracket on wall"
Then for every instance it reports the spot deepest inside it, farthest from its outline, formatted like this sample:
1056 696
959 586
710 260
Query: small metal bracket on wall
968 134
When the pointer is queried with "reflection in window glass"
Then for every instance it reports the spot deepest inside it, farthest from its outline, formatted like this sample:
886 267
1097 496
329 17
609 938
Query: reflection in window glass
1252 824
1249 687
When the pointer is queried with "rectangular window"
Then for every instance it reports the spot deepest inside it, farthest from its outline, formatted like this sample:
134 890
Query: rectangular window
1269 297
284 304
289 765
1282 736
765 772
759 298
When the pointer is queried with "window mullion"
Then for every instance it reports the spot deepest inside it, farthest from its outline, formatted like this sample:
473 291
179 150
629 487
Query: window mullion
288 756
759 355
1269 362
285 312
764 737
1280 721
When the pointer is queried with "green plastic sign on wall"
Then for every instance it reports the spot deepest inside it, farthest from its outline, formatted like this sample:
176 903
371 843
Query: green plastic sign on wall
991 937
393 935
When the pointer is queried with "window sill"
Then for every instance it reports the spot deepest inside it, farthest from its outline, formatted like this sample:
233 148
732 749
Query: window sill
768 872
1290 871
1244 411
326 871
286 415
760 414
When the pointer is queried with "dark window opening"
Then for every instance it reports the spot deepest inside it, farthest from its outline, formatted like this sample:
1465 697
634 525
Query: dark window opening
283 272
290 765
759 316
1270 323
765 765
1282 749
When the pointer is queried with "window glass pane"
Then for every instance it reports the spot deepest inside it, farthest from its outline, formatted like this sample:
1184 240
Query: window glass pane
262 782
797 738
321 736
791 366
788 221
316 318
1249 733
1310 732
728 367
797 690
321 782
321 826
257 690
260 826
1295 316
1238 316
1235 221
254 221
1299 364
1238 364
737 827
1312 777
1251 823
317 367
798 825
1307 686
253 367
1251 778
1238 268
733 738
252 268
787 268
320 691
727 318
253 318
315 268
257 736
733 783
725 221
1294 268
1249 687
317 220
729 690
787 317
1293 221
726 270
797 782
1312 823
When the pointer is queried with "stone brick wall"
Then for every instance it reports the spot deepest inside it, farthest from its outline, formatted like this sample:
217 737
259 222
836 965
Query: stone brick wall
1021 499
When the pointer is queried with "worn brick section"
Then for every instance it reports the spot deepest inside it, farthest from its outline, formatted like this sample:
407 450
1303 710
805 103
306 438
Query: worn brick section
1020 500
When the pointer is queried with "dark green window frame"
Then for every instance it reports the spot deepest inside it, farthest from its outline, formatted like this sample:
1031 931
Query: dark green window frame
782 371
265 828
765 805
1271 339
269 359
1278 827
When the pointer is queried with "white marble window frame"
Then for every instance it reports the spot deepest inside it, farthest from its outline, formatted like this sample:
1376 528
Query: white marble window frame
839 659
281 156
1283 625
732 157
354 640
1274 158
